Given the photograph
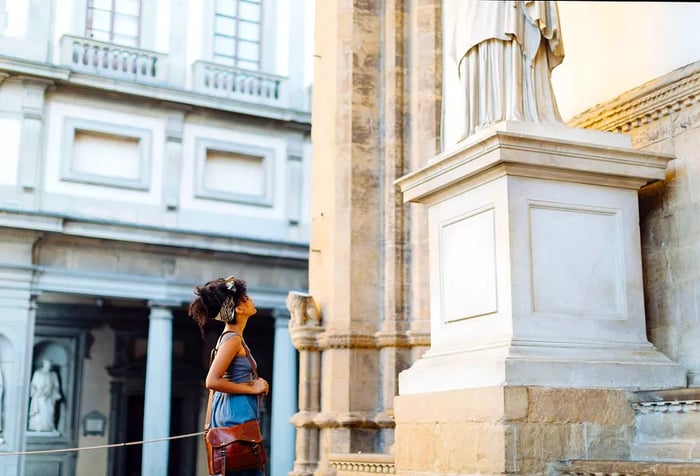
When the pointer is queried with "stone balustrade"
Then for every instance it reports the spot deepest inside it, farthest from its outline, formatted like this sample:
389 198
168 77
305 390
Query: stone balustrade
237 83
114 61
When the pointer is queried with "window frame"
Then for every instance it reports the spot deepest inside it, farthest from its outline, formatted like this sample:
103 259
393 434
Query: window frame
90 9
235 59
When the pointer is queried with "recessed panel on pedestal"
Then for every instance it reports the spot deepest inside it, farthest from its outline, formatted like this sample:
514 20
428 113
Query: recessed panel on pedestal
468 266
577 261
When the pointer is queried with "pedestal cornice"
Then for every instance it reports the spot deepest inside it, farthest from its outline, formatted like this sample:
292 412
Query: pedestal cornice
561 153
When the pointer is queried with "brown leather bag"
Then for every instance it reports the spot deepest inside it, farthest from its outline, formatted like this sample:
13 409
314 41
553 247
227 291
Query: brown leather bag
233 448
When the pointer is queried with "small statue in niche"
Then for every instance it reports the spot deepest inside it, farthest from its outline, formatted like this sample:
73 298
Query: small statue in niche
45 393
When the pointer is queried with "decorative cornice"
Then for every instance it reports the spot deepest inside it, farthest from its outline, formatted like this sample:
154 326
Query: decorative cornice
64 76
649 102
149 235
517 148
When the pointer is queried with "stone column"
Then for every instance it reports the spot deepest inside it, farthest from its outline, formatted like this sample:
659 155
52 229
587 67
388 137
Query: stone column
284 379
345 264
17 321
30 165
304 328
156 411
425 102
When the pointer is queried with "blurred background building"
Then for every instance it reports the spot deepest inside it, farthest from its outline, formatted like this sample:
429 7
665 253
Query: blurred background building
146 146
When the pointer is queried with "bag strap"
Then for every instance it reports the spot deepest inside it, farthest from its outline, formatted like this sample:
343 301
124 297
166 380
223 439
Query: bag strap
253 366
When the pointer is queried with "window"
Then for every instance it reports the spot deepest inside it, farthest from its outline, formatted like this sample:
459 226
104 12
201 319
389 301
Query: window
114 21
237 28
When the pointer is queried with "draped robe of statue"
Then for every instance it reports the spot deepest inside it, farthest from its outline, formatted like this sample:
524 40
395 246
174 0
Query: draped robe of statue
45 393
505 52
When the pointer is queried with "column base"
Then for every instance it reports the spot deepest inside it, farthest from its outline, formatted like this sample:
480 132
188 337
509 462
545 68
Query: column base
565 365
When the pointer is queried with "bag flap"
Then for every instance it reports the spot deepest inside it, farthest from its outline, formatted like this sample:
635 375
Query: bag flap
222 436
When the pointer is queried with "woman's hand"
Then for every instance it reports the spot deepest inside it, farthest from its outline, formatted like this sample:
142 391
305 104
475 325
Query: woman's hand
260 385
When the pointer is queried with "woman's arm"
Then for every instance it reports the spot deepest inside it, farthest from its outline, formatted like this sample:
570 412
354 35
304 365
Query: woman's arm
215 378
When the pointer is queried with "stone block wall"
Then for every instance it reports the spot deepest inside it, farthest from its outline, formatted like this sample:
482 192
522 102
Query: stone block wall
515 430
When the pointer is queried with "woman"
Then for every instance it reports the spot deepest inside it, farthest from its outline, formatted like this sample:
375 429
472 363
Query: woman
236 392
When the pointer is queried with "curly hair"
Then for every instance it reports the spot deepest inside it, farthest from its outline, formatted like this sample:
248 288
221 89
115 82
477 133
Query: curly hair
214 295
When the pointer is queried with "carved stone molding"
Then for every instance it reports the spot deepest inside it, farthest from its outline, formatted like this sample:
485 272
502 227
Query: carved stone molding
363 463
649 102
419 339
354 420
304 419
345 339
391 339
680 400
688 406
306 338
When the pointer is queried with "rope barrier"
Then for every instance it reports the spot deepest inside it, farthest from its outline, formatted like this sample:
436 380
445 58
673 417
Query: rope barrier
98 447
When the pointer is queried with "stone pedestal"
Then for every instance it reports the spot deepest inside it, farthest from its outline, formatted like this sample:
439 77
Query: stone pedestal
535 263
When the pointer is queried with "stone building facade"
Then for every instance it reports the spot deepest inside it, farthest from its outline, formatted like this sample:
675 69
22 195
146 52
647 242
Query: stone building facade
146 147
378 116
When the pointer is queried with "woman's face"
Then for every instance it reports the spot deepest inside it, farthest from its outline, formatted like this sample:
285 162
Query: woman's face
246 306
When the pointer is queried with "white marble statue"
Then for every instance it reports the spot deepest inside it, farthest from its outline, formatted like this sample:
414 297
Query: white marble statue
505 52
45 393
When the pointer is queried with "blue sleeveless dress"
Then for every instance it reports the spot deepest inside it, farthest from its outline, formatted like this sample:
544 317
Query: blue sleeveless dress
229 409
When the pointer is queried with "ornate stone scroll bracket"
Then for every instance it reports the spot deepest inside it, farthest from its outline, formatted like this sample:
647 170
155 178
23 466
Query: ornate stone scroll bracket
303 309
305 321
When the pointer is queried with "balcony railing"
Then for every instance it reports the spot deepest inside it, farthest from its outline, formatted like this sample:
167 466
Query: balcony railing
114 61
236 83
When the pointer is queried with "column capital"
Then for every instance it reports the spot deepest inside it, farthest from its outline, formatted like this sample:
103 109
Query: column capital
162 309
303 309
33 98
164 303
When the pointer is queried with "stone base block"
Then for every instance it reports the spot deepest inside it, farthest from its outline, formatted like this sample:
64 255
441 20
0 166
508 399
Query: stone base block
513 430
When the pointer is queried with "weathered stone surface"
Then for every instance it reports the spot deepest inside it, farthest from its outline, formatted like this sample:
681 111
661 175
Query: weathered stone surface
514 430
626 468
603 407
